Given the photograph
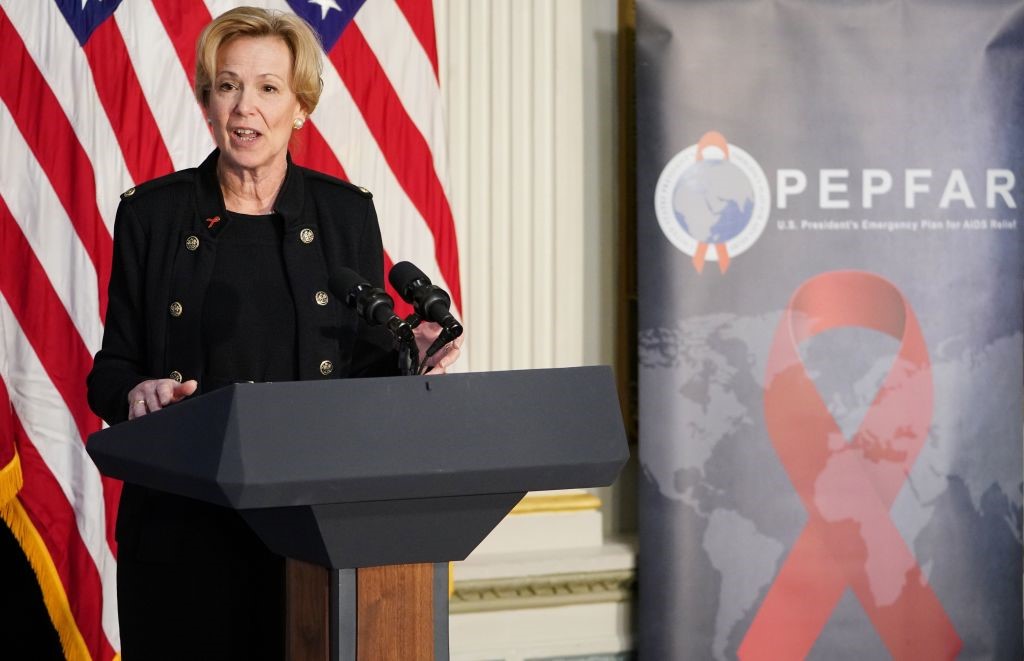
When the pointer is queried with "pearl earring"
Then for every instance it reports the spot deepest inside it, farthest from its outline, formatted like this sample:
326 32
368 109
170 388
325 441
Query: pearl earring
297 124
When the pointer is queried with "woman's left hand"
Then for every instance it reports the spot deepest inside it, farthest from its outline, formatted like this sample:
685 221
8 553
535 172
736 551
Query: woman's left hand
425 334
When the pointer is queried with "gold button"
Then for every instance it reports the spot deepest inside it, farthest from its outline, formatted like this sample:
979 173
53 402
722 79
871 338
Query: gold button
176 309
306 235
363 190
321 298
192 242
326 367
176 375
128 193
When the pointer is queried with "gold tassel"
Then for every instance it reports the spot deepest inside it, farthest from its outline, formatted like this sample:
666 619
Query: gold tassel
10 479
56 600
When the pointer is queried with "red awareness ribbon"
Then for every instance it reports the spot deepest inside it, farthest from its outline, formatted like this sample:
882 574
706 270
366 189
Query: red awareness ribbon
849 540
711 139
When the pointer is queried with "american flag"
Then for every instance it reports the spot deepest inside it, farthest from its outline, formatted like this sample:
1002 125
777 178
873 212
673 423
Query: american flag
95 96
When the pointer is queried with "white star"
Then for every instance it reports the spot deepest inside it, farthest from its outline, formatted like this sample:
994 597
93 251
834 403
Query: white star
325 6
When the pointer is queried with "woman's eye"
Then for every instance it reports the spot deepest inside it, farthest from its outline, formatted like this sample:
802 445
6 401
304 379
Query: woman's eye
269 88
227 87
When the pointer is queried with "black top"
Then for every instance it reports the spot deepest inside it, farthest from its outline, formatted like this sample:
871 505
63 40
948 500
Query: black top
167 243
169 236
248 325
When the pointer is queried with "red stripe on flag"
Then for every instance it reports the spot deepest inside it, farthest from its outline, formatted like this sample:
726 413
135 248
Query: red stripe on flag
402 308
121 95
420 15
52 140
183 20
6 430
404 148
309 149
111 499
10 473
45 322
54 519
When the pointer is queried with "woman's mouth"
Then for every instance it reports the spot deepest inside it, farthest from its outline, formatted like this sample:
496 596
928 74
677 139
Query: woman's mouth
245 135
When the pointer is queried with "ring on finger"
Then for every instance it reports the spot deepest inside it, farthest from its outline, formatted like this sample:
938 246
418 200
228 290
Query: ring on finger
138 401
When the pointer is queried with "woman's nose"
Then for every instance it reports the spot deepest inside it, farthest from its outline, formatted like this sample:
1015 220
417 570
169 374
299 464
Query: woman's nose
244 102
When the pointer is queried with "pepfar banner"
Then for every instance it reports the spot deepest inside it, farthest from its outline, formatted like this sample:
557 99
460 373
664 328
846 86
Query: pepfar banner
830 331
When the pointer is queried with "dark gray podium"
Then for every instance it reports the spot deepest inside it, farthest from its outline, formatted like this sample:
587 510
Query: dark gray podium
378 480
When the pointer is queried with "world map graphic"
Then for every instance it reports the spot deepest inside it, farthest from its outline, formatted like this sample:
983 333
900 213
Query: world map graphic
707 454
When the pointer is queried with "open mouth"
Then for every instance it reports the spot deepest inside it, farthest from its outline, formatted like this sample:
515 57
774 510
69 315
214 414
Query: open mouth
245 135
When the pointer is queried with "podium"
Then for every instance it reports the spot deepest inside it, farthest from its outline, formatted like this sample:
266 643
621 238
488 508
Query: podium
381 482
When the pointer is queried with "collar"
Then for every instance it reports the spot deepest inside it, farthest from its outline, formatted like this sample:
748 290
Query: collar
210 199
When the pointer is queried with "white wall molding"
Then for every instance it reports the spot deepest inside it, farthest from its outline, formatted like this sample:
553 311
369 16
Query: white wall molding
512 79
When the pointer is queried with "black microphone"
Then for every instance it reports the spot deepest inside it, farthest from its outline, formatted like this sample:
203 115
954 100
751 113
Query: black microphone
429 301
371 303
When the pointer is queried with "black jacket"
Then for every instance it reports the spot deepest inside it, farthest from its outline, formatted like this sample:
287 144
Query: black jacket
165 245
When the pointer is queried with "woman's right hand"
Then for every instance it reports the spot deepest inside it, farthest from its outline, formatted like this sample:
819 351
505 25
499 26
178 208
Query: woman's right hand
155 394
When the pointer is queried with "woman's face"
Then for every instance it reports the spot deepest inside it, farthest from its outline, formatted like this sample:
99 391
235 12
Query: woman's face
252 107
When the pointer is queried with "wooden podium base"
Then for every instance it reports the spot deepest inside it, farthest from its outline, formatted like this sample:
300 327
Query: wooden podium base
396 612
307 631
371 614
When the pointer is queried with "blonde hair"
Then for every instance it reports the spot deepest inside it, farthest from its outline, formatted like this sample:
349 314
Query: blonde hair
302 42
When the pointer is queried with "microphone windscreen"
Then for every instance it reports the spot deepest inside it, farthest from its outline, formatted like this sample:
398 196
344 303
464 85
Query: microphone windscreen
404 274
343 281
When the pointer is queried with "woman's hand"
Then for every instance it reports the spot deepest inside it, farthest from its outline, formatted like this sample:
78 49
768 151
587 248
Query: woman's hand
425 334
155 394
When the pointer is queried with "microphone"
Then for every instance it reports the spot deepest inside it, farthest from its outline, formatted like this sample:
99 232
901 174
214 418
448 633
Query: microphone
371 303
429 301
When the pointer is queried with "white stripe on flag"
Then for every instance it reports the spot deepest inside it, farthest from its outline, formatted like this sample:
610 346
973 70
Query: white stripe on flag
407 66
55 50
164 84
405 233
53 432
48 230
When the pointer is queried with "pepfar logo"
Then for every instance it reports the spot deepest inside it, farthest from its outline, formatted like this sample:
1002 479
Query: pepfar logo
712 201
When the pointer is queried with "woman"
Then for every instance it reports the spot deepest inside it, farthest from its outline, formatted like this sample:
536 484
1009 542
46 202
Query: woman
220 275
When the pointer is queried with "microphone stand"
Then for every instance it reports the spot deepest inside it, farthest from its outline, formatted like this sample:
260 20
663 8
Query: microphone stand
408 352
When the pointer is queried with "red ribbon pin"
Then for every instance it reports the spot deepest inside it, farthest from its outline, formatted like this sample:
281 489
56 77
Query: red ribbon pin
849 540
